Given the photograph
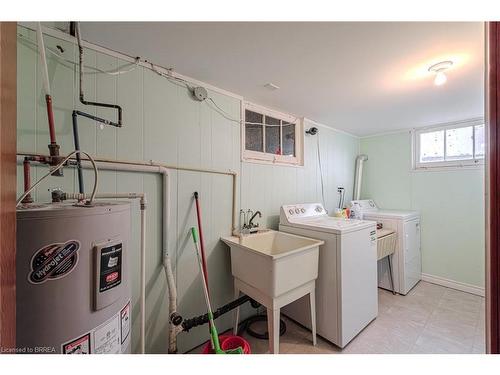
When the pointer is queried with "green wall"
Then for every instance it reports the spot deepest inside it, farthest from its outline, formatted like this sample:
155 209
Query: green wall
451 204
162 123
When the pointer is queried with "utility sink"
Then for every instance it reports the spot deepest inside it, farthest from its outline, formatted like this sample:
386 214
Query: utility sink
274 262
274 269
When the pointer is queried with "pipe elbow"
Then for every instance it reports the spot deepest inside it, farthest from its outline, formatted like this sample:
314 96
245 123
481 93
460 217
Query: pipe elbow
361 157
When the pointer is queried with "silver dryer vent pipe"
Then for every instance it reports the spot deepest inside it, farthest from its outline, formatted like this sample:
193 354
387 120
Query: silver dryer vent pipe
358 176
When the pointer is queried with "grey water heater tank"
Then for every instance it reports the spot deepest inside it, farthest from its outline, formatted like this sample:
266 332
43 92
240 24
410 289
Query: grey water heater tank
73 281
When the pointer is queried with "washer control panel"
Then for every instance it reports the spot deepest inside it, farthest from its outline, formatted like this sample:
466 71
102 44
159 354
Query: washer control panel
297 211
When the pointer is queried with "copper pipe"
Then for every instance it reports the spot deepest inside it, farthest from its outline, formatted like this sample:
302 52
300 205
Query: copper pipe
27 180
50 116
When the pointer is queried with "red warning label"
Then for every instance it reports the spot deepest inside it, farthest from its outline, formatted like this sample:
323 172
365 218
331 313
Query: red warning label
80 345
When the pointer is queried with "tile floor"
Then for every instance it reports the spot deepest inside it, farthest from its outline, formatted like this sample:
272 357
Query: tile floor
430 319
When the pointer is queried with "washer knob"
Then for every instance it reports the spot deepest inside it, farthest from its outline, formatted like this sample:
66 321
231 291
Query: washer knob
302 210
290 211
297 211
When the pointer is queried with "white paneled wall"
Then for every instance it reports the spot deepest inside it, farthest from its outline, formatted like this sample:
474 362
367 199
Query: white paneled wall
162 123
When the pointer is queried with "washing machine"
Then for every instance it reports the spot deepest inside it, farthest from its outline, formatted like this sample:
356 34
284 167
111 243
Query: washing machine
346 287
407 258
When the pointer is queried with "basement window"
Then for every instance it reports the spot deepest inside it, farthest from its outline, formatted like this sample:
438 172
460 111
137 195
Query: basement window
451 145
271 137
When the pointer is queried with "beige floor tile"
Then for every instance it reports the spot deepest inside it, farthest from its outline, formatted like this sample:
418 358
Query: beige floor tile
385 300
411 312
376 339
460 301
431 342
479 346
454 324
427 290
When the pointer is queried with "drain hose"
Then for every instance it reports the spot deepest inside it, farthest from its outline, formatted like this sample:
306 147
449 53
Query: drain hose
246 325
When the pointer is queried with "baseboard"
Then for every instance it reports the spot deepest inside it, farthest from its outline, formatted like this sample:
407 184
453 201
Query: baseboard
468 288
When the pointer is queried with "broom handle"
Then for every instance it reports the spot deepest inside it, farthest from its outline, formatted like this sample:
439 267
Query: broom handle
200 263
201 244
213 332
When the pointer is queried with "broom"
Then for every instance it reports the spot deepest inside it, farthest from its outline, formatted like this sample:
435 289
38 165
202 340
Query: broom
214 336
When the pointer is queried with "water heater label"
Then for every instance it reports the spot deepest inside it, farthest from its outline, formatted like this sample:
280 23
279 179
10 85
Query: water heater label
80 345
125 322
53 261
111 337
110 274
107 337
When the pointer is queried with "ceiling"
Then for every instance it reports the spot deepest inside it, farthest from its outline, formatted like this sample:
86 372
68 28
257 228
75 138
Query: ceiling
363 78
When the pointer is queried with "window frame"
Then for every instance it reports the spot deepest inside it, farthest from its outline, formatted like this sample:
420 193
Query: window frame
265 157
446 164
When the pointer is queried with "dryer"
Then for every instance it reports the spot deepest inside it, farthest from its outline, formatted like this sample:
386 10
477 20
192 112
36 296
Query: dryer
346 287
407 258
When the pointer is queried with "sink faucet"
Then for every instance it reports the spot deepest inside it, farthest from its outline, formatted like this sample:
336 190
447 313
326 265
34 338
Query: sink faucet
251 225
248 226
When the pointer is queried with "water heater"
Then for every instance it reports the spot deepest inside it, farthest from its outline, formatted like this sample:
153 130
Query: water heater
73 281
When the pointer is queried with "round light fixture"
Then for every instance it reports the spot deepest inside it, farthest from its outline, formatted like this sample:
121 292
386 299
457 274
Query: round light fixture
439 69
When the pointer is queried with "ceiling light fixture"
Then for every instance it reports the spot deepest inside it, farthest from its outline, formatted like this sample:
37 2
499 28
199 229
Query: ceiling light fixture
439 69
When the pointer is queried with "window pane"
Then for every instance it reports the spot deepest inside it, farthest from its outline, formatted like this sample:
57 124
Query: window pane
479 141
459 143
273 141
254 117
432 146
288 139
253 131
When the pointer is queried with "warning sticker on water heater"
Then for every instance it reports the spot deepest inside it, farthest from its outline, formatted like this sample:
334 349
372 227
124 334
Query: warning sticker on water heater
53 261
80 345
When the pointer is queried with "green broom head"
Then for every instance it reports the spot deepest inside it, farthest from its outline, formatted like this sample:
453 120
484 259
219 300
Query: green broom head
214 336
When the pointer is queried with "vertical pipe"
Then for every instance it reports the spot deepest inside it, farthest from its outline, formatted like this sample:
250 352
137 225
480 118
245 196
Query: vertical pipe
167 263
50 117
76 139
53 146
27 180
143 276
234 218
358 176
43 59
46 84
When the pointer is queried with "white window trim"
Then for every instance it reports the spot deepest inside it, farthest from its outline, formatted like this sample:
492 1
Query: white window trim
444 165
267 158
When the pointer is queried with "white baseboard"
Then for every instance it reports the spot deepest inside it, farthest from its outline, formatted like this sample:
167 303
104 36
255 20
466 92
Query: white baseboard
468 288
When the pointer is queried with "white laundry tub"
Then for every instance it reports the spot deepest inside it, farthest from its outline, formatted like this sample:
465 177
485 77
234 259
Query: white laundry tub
274 262
274 269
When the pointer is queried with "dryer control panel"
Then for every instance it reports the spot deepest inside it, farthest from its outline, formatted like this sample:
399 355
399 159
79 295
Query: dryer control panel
364 205
297 211
359 207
